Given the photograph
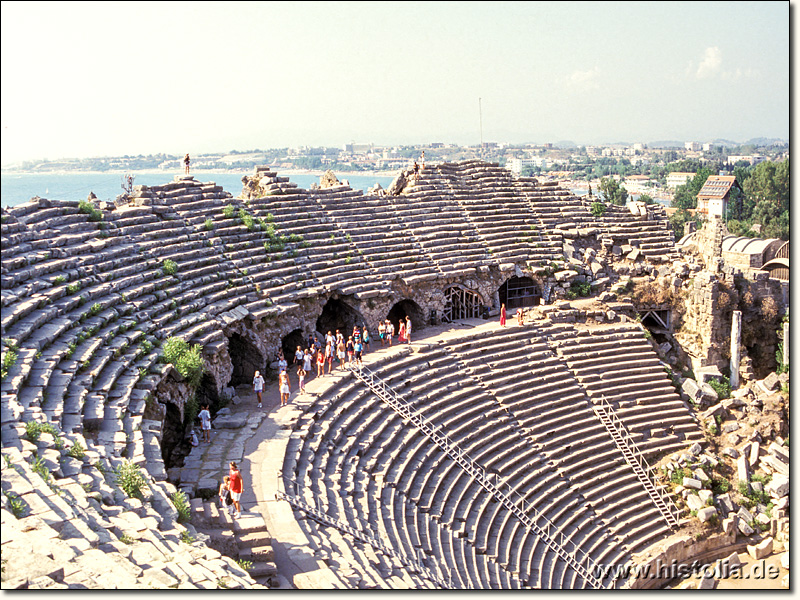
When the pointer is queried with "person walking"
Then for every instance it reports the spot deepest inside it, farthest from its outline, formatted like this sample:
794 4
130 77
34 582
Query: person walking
298 356
308 361
502 315
350 349
258 386
235 485
282 364
205 423
285 389
301 379
358 348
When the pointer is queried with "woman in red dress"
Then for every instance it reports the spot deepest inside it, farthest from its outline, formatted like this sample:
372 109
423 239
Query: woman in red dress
502 315
401 332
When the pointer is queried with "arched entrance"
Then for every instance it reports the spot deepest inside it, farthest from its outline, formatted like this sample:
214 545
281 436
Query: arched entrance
407 308
290 342
245 358
461 303
519 292
338 315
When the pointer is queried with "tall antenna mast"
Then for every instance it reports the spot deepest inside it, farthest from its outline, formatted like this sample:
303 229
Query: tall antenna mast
480 117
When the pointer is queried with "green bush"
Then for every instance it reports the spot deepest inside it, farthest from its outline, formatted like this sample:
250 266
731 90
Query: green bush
130 479
598 209
209 224
73 288
59 280
15 503
169 267
88 208
77 451
181 504
229 211
722 387
95 309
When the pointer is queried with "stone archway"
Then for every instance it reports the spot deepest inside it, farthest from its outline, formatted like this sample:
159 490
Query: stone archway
519 292
407 308
337 314
461 303
246 359
290 342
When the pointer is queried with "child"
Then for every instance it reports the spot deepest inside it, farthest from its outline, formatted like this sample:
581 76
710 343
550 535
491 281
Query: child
301 377
320 363
225 500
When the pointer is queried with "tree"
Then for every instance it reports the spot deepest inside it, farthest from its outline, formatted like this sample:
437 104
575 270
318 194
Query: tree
679 219
612 191
647 199
686 195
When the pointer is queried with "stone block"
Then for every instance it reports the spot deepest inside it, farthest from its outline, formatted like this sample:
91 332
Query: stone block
742 469
778 487
730 427
725 503
760 550
745 529
705 495
779 452
730 452
729 526
770 383
694 502
694 484
706 514
696 449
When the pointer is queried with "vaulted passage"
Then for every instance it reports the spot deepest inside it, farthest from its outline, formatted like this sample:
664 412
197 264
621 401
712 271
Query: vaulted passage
407 308
290 342
246 360
519 292
173 441
338 315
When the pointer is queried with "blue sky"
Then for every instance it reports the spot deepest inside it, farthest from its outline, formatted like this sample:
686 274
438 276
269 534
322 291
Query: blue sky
92 79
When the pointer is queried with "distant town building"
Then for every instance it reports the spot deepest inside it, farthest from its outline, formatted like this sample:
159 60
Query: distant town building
516 165
677 178
638 184
712 199
753 159
693 146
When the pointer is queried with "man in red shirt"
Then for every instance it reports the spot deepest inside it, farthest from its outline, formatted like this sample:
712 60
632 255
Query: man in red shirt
235 486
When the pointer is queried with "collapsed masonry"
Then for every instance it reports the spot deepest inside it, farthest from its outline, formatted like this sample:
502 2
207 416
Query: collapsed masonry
88 297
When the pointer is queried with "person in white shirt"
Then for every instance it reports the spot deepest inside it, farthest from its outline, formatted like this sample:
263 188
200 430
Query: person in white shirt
205 421
258 386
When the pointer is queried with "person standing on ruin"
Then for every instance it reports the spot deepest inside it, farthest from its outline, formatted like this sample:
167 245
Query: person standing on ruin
382 332
301 380
408 323
330 350
205 423
520 317
308 361
321 363
340 352
358 348
389 331
298 355
422 160
285 389
366 338
282 364
258 386
416 171
186 163
502 315
401 332
350 349
235 485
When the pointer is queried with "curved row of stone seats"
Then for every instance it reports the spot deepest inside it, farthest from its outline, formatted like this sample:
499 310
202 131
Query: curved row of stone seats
464 511
440 226
324 250
510 367
653 236
371 422
403 470
619 363
66 524
378 235
323 493
553 205
501 215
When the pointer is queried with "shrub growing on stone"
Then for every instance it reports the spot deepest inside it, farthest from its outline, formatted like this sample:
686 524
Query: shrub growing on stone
181 504
169 267
598 209
77 451
130 479
88 208
722 387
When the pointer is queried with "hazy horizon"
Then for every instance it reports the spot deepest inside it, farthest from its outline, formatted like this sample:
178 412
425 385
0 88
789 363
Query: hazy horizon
84 80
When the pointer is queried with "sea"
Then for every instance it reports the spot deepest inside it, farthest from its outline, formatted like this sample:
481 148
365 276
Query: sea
21 187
